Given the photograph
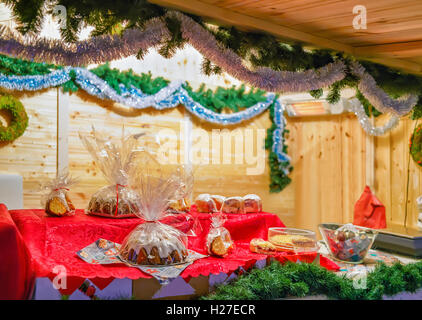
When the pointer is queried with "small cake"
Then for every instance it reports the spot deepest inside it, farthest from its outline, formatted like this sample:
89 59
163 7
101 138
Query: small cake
219 242
59 204
104 202
253 203
154 244
205 203
233 205
261 246
218 200
178 206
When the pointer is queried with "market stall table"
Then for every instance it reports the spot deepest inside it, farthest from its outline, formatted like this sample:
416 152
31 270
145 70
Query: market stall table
53 242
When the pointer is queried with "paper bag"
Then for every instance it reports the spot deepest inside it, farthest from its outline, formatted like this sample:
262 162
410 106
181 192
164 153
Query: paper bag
369 211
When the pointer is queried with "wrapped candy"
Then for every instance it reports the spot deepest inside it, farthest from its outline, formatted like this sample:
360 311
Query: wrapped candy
115 159
56 201
252 203
153 242
219 242
205 204
233 205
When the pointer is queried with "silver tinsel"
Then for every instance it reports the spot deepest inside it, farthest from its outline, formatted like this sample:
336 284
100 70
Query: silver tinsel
356 107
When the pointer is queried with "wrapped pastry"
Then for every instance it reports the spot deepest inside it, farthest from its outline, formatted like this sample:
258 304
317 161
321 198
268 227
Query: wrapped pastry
218 200
253 203
114 158
182 204
56 201
261 246
205 203
178 206
219 242
153 242
233 205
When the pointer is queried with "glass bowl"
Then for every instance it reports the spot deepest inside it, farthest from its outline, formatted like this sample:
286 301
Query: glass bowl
347 246
293 240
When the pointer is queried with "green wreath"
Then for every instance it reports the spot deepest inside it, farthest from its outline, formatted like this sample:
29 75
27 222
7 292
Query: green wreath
19 120
415 145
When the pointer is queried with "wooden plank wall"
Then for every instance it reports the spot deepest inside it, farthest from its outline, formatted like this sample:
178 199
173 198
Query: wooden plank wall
392 162
329 157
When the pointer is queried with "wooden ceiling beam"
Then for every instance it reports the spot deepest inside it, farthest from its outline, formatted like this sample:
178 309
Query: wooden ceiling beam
240 20
232 18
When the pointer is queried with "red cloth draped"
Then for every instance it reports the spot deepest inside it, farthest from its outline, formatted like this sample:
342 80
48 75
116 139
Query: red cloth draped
54 241
16 272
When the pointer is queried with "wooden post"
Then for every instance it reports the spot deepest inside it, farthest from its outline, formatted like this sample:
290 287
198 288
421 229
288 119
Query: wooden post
62 129
370 159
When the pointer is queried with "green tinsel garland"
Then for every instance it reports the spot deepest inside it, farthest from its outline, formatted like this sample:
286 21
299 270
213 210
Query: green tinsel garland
291 279
19 120
258 49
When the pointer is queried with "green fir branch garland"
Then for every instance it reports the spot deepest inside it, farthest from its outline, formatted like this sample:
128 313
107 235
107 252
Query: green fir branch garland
257 49
278 281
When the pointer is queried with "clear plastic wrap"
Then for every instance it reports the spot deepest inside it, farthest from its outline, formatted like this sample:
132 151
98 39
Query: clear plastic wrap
153 242
182 204
252 203
115 160
205 204
233 205
219 242
56 200
218 200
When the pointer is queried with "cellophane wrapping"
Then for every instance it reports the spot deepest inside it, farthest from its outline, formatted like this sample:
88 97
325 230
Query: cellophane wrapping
154 242
182 204
56 200
219 241
115 158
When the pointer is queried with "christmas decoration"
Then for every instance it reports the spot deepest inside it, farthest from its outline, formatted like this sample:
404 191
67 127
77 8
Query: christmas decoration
19 119
300 279
274 66
415 145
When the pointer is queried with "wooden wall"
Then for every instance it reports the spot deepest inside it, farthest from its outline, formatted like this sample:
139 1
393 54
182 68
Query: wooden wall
393 168
33 155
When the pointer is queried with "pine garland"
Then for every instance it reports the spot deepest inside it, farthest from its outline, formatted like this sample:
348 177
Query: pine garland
291 279
257 49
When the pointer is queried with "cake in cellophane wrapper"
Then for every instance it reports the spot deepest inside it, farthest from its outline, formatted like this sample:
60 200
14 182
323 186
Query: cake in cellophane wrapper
115 159
252 203
219 242
205 203
56 200
182 205
154 242
233 205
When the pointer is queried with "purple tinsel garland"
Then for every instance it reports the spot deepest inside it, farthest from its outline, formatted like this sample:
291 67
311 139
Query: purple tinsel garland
377 97
111 47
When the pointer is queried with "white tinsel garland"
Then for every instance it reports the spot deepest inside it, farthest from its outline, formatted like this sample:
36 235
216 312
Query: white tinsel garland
356 107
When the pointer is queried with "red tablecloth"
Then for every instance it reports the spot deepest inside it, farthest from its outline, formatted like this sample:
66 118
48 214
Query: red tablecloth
54 242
